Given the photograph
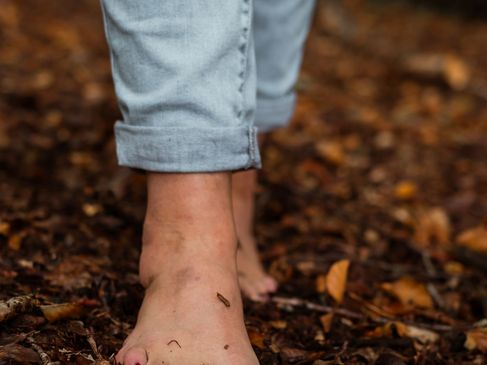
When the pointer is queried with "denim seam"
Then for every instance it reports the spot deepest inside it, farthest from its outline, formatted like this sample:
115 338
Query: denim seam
244 51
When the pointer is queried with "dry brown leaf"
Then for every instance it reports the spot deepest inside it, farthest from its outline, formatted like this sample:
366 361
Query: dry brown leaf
432 226
477 340
409 292
456 72
331 152
91 209
55 312
15 241
15 353
448 67
474 239
256 338
280 325
389 329
326 321
405 190
4 228
336 280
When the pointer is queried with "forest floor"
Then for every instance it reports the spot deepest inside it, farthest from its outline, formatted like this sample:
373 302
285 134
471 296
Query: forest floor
372 206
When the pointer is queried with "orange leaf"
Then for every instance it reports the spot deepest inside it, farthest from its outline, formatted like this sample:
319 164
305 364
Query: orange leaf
326 321
55 312
336 279
432 225
256 338
477 339
409 292
474 239
405 190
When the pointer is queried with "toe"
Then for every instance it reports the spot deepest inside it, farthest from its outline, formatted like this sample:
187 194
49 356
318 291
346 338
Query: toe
250 291
271 284
135 356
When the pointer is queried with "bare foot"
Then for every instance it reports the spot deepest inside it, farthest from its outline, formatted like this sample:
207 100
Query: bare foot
255 283
192 310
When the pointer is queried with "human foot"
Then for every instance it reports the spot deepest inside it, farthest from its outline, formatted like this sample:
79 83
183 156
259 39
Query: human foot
255 283
192 311
193 316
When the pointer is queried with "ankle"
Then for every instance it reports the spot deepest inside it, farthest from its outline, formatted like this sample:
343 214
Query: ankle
167 252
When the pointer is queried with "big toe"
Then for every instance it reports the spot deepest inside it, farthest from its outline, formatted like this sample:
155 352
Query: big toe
135 356
251 291
271 284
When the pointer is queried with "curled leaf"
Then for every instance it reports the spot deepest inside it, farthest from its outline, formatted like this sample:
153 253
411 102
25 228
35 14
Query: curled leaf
336 280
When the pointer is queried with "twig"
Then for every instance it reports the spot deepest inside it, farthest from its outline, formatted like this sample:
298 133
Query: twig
46 360
296 302
224 300
16 305
91 340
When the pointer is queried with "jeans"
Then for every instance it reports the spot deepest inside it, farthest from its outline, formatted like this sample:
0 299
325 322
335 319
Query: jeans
196 79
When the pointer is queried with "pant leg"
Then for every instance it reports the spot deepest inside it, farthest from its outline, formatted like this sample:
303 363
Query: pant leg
185 81
280 31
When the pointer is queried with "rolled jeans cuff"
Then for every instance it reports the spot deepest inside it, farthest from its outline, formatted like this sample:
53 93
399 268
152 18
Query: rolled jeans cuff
187 149
271 114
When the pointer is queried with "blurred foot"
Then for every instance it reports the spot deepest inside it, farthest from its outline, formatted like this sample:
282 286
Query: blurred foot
255 283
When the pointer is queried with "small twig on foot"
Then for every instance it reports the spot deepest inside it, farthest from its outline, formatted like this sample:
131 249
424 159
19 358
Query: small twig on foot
223 300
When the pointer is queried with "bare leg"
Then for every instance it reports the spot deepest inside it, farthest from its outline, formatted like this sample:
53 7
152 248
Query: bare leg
192 310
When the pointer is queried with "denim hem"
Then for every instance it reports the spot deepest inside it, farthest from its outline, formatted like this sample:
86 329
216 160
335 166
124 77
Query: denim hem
274 113
163 149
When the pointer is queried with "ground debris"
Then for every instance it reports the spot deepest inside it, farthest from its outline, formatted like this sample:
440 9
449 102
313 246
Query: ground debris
15 306
382 166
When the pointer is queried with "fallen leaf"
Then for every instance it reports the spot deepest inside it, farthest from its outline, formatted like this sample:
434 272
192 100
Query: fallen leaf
477 339
390 329
409 292
432 226
17 353
405 190
256 338
474 239
331 152
336 279
4 228
280 325
55 312
326 321
15 241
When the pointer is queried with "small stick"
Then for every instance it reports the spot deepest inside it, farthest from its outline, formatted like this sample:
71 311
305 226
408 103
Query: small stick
16 305
295 302
223 300
46 360
177 343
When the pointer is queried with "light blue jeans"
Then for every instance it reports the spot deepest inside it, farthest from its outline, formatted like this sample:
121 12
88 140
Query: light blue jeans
196 79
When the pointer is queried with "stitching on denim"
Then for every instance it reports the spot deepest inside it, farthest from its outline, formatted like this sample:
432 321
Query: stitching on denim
252 147
246 20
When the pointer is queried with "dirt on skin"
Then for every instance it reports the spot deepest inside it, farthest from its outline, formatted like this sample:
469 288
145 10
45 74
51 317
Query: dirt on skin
371 211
